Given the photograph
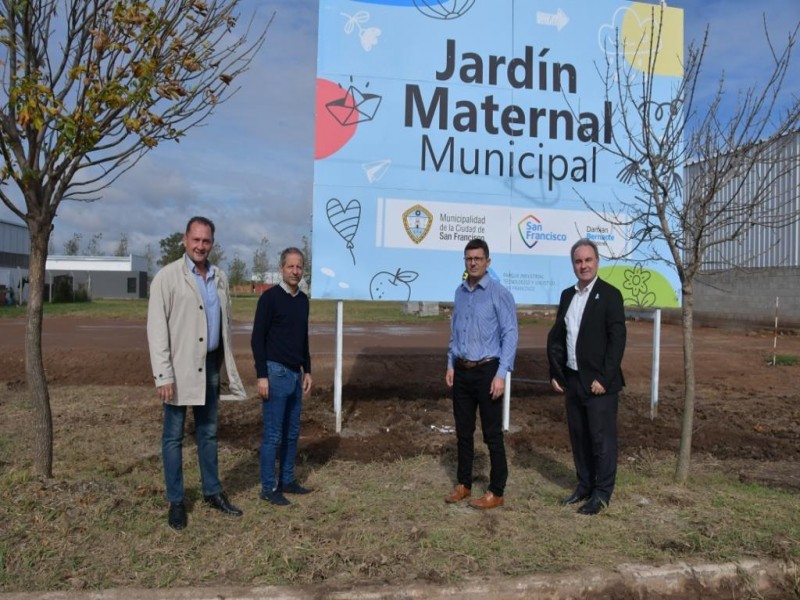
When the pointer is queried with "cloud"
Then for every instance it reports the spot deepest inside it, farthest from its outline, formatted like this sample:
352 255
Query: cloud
737 44
250 166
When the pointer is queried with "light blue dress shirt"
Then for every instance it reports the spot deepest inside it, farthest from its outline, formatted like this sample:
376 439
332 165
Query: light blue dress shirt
208 291
484 324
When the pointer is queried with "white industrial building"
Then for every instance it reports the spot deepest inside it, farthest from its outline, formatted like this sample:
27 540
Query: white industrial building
14 253
95 276
100 276
756 276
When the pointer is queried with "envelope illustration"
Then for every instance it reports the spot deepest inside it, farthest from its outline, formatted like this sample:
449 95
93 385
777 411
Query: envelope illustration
354 107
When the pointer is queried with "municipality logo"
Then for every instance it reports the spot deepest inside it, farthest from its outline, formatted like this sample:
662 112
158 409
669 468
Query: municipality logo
529 230
417 221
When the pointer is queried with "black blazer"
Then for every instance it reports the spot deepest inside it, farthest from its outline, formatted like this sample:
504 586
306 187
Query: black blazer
601 339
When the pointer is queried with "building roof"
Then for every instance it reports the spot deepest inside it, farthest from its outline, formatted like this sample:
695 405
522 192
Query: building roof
96 263
14 224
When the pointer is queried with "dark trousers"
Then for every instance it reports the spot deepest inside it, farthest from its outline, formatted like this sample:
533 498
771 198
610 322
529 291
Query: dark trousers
472 394
592 422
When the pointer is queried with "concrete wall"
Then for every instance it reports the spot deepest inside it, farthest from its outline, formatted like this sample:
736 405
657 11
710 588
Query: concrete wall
105 284
422 309
115 285
749 295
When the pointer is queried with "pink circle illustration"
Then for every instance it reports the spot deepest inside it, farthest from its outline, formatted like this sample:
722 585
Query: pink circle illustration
331 133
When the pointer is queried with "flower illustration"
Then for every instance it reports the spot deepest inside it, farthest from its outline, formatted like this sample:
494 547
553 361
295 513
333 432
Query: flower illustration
636 283
369 36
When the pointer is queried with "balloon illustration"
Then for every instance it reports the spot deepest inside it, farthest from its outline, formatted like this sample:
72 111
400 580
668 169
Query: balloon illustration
344 220
435 9
441 9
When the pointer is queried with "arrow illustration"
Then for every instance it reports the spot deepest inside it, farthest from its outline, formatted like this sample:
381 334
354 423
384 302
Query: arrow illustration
560 19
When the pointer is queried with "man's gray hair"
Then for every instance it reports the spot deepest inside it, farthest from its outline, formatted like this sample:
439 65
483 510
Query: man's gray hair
584 242
291 250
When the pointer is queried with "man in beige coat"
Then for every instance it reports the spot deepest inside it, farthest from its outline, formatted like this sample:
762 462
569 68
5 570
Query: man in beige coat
189 335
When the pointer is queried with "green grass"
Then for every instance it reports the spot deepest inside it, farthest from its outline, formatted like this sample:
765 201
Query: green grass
244 308
99 309
784 360
362 311
100 523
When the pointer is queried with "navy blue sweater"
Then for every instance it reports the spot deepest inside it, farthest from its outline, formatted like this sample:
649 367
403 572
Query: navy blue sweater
280 331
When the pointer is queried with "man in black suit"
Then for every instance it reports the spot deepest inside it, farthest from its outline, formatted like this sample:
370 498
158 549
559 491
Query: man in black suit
585 348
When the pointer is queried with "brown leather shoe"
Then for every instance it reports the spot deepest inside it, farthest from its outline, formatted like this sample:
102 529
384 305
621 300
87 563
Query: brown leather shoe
488 500
458 494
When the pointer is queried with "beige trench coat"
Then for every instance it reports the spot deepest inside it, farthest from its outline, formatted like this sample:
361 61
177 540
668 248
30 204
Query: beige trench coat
176 335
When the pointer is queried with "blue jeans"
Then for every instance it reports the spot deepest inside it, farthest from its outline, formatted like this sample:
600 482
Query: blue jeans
281 419
205 422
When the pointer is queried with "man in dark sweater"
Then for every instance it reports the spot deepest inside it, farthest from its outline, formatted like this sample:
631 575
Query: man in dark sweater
283 368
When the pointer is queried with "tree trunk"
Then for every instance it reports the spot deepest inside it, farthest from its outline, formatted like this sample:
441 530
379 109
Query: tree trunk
34 363
685 451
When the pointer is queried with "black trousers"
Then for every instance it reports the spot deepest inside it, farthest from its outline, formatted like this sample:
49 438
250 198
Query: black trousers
472 395
592 422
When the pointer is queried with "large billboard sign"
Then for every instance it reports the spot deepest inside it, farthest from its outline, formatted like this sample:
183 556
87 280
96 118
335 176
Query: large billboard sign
441 121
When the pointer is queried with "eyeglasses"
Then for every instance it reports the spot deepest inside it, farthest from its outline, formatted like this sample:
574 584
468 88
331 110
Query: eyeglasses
474 259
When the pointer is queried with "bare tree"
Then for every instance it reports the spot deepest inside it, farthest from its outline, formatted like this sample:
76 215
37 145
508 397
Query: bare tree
738 151
93 248
149 256
307 271
217 255
237 271
88 87
122 247
73 245
261 261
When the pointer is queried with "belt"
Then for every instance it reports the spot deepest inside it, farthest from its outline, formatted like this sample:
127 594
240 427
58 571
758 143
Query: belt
463 363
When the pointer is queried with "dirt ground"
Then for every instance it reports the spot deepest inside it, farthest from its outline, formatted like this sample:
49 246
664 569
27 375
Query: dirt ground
395 401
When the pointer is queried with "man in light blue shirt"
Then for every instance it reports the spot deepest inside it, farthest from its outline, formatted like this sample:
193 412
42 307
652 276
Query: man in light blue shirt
191 353
483 343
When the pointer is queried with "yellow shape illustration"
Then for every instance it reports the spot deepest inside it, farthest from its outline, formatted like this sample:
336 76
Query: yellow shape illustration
641 27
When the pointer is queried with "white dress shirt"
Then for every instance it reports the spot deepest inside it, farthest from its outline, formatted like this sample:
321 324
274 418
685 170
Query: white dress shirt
573 321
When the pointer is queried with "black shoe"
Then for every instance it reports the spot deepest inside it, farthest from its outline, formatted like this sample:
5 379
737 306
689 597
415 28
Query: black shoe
275 498
593 506
221 503
574 498
293 488
177 515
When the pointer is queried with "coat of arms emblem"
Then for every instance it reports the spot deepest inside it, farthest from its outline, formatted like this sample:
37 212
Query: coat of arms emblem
417 220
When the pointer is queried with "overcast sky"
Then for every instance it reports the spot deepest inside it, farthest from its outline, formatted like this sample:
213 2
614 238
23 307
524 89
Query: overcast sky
250 168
